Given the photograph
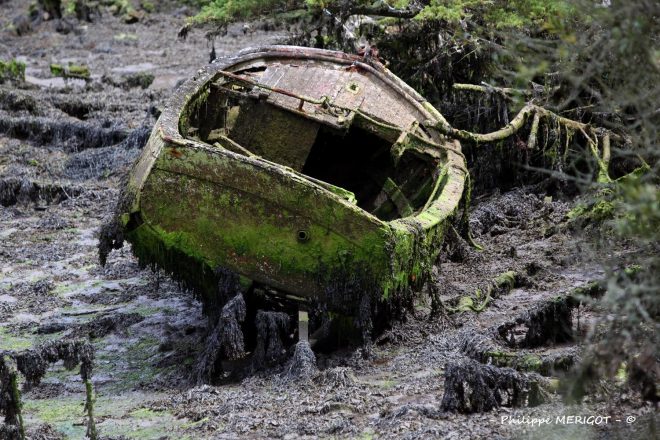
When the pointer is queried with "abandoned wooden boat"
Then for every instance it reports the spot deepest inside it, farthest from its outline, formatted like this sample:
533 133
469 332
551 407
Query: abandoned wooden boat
310 173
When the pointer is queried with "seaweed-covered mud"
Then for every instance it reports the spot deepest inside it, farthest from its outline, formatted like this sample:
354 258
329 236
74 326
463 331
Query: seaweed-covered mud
484 369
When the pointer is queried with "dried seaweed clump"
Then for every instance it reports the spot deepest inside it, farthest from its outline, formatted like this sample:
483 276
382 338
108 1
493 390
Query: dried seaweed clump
33 363
476 345
303 363
9 432
232 340
270 328
471 387
225 341
228 284
111 236
104 325
510 210
337 377
70 135
24 191
426 410
111 232
551 321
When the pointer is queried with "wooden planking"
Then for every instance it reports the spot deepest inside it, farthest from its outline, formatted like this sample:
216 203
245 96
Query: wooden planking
346 87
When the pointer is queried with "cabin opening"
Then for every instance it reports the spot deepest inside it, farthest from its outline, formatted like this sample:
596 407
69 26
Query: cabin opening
357 161
352 162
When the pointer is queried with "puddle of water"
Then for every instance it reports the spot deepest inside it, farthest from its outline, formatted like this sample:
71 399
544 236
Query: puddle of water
35 76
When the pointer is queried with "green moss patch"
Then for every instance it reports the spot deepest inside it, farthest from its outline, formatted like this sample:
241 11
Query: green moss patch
12 70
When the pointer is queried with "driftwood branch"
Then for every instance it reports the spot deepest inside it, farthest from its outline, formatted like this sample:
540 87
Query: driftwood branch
511 128
531 141
595 137
603 175
517 122
506 92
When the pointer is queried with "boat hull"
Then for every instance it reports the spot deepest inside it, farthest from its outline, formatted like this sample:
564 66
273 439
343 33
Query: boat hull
197 211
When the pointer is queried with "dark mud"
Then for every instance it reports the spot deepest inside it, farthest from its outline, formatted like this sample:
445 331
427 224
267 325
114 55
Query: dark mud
64 148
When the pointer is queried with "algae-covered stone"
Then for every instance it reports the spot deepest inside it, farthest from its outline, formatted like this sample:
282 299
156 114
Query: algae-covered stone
140 79
21 25
133 16
147 6
12 70
70 71
501 285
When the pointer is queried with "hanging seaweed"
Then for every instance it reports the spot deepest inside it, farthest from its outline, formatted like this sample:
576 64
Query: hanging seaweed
272 330
225 341
32 365
471 387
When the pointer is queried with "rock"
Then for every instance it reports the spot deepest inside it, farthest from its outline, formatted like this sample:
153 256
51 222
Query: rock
63 26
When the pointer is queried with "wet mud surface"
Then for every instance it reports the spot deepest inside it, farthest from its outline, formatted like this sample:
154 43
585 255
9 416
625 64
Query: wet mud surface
64 146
